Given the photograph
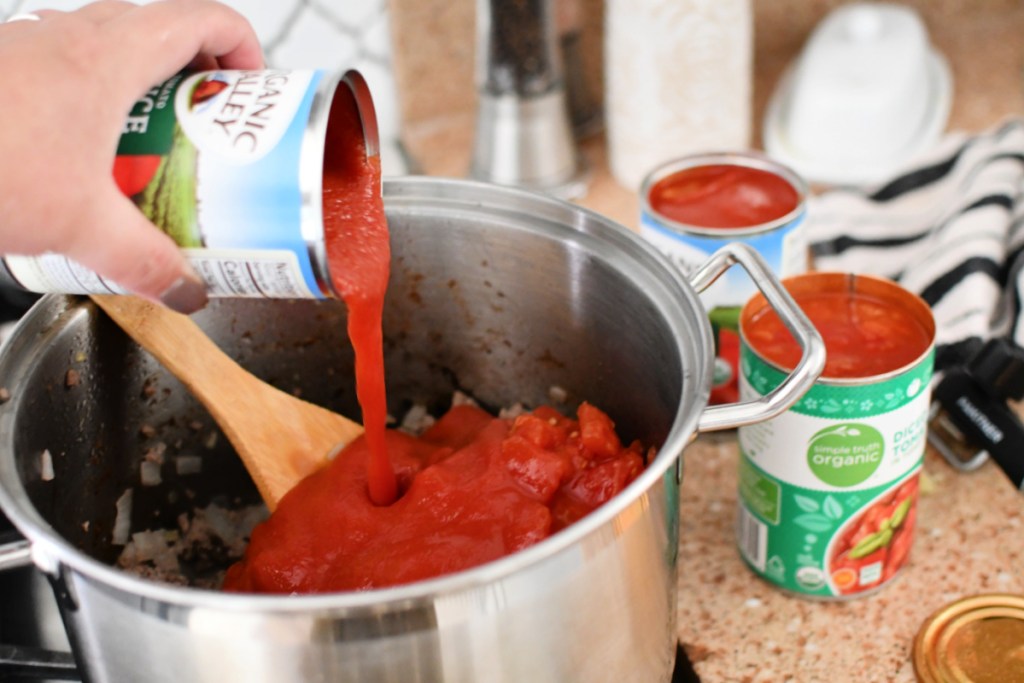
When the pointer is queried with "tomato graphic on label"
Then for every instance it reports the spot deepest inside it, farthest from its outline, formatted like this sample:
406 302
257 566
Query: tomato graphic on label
725 323
132 172
206 90
875 544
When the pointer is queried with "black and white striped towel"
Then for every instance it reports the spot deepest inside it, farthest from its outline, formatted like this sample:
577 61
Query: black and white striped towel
950 230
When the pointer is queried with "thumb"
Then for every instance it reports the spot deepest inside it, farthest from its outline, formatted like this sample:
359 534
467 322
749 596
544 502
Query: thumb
118 242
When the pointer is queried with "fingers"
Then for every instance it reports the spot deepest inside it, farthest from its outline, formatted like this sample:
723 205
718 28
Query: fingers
158 39
100 59
96 13
203 63
104 10
121 245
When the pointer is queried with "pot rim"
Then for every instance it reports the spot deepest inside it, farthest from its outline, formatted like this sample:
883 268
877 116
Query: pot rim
680 307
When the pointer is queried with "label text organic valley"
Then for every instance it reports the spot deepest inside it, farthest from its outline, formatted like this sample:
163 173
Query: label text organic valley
247 109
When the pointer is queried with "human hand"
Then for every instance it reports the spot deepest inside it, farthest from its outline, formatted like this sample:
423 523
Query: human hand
67 83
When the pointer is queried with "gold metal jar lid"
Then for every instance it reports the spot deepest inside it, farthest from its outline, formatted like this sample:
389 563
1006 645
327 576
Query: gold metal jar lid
979 639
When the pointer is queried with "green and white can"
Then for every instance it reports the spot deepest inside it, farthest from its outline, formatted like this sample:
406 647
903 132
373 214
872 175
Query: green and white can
828 490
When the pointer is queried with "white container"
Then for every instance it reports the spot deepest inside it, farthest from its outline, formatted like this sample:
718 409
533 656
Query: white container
867 94
678 80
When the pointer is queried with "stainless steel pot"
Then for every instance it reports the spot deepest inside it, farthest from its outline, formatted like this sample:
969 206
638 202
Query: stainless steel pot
494 291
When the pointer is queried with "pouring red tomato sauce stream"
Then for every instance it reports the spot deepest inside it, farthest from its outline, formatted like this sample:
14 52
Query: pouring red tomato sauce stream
392 508
359 257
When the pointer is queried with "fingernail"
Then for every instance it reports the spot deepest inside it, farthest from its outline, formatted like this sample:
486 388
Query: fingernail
186 295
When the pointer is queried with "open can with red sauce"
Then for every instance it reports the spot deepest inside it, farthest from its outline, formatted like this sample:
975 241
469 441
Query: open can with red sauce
828 490
232 166
693 206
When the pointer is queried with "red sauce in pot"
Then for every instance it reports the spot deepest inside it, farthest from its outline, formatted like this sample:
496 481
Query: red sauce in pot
392 508
864 335
476 488
723 196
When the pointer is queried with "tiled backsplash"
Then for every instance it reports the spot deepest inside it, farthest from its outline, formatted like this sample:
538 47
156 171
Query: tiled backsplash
323 34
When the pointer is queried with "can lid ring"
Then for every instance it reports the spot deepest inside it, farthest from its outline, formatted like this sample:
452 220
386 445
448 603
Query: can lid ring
355 82
956 637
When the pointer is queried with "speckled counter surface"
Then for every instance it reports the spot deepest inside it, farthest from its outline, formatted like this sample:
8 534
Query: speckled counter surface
737 628
734 627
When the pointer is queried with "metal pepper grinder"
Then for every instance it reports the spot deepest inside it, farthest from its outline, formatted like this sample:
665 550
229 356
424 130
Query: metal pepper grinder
524 135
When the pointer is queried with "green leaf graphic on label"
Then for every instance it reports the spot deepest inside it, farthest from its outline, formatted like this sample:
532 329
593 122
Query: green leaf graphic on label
729 318
845 455
814 522
169 200
806 504
832 508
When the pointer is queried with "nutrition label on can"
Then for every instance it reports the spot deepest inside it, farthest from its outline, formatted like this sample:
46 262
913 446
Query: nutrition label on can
272 274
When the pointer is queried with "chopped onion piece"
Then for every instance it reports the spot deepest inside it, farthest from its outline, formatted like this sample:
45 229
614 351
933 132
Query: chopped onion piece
188 464
557 394
512 412
46 465
149 544
149 473
123 520
461 399
416 420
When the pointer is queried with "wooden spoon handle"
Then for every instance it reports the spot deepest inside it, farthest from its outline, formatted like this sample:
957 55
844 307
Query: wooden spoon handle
178 343
279 437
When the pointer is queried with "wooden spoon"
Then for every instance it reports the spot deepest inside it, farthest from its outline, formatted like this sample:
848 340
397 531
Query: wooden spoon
280 438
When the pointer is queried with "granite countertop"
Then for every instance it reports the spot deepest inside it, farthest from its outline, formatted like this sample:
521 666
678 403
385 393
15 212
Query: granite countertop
736 627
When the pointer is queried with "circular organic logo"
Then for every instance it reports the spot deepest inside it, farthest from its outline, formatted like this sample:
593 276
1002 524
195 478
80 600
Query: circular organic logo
810 578
845 455
722 373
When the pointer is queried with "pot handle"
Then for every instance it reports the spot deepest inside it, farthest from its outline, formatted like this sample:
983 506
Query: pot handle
14 553
807 370
24 663
19 661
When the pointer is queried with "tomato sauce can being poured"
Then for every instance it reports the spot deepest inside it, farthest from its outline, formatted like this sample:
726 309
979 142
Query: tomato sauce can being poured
269 181
229 164
695 205
828 490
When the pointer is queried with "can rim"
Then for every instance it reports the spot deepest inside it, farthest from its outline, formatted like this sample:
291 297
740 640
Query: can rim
829 280
312 164
367 112
753 160
935 637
